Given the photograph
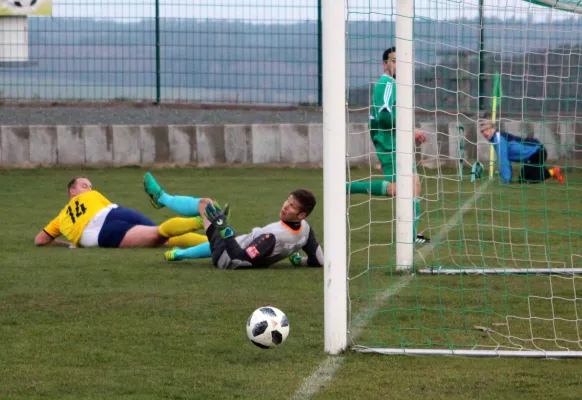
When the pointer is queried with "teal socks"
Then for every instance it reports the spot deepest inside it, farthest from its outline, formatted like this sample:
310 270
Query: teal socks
375 188
200 251
183 205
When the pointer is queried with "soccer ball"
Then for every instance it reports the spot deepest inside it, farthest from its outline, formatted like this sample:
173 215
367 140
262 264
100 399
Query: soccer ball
22 3
267 327
22 6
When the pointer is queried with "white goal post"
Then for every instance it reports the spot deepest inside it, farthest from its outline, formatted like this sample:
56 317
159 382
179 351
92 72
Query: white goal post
334 133
334 171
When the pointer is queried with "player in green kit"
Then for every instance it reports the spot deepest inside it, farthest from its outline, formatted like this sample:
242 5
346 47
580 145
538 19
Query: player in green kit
383 133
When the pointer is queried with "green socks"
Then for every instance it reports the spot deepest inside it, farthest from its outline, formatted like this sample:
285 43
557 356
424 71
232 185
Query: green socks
375 188
380 188
416 205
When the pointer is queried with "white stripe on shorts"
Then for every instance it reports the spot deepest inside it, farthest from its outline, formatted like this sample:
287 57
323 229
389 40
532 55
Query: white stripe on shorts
90 236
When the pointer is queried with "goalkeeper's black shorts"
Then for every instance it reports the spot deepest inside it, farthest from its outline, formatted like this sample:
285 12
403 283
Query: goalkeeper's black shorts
534 169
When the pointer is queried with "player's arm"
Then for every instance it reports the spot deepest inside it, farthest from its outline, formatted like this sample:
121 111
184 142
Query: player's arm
259 248
502 149
44 239
314 253
47 236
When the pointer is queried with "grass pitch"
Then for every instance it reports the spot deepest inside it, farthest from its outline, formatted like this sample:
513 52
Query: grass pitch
125 324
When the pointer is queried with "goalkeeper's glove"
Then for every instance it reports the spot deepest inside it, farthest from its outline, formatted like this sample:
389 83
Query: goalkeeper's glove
227 210
295 259
476 171
219 219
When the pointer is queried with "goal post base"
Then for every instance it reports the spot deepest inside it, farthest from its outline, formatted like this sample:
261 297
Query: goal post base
499 271
471 353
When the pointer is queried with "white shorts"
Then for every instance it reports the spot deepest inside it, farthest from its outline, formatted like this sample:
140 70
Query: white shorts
90 236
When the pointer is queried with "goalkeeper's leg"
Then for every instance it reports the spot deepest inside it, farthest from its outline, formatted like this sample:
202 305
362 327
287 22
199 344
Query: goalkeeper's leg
200 251
556 173
535 170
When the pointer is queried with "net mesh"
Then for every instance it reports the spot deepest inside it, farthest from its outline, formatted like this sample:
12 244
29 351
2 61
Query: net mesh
500 271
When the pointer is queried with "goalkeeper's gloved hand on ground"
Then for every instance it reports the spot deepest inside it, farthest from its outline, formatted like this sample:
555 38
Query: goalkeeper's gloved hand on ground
295 259
476 171
219 219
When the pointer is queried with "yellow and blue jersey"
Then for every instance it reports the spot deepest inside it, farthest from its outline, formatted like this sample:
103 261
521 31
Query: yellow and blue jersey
75 216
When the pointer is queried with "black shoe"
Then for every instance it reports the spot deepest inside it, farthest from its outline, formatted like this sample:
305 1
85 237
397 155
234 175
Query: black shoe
421 239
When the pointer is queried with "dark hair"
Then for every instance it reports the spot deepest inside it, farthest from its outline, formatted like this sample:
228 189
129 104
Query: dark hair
387 53
73 182
306 199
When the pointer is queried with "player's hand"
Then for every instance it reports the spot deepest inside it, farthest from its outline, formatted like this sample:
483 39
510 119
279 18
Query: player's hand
419 137
476 171
226 210
219 219
295 259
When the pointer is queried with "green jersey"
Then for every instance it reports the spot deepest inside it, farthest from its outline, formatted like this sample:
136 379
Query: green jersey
383 114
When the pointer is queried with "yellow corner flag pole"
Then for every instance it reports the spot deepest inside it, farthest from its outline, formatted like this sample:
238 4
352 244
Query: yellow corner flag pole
495 102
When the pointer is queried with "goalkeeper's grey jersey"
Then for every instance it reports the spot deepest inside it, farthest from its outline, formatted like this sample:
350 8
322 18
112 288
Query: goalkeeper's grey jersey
287 240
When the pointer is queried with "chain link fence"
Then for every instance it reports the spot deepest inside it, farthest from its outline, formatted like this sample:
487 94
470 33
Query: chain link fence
268 52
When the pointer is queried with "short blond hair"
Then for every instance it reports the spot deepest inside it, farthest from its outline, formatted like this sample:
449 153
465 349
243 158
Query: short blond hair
485 124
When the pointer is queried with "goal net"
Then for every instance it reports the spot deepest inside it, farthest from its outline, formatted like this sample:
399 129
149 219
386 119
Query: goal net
503 269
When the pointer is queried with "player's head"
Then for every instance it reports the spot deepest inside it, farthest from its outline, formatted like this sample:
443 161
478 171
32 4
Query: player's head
78 185
389 61
486 129
298 206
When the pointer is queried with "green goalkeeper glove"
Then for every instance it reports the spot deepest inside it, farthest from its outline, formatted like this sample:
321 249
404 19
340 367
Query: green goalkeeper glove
219 219
227 211
476 171
295 259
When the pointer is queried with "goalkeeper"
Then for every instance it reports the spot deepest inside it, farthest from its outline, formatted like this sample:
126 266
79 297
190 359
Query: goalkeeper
529 152
259 248
383 134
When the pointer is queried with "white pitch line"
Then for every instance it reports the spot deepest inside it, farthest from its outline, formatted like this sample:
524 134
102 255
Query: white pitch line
327 369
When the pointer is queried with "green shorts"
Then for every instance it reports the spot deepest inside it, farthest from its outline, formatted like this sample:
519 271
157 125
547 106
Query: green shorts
387 159
388 162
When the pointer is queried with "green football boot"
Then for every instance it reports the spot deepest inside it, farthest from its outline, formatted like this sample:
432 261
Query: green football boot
171 255
153 189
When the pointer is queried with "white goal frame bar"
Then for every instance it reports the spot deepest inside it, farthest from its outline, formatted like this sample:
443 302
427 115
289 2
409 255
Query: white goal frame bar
334 175
571 6
473 353
500 271
404 135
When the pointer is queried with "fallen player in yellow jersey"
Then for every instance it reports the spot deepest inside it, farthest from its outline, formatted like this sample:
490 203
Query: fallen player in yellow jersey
90 220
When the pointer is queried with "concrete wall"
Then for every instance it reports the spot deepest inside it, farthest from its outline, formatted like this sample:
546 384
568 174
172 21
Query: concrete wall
290 144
